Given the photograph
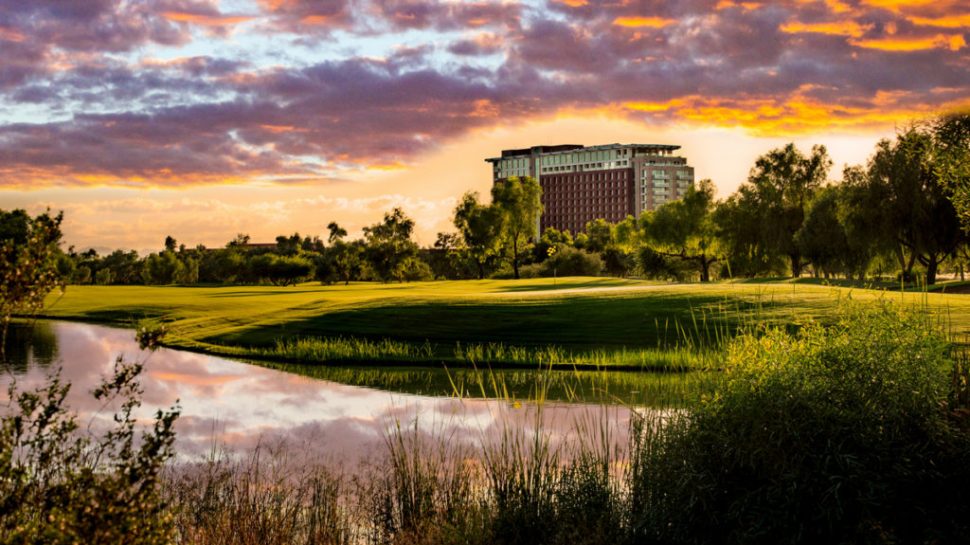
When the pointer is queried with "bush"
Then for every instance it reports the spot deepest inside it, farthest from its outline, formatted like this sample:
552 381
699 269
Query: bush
58 485
830 435
572 262
282 270
416 270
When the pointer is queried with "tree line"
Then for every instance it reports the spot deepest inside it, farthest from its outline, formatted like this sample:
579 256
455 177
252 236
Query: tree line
898 216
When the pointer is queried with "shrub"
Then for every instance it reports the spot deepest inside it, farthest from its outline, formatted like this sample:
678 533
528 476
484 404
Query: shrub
572 262
828 435
58 485
416 270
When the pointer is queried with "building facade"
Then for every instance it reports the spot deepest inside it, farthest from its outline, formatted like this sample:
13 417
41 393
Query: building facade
580 184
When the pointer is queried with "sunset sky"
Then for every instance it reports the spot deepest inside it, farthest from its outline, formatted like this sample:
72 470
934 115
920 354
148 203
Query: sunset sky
206 118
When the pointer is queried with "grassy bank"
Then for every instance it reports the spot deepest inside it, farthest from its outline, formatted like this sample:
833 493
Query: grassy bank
854 433
592 322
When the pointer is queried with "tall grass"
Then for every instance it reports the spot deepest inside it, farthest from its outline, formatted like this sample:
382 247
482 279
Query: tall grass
268 498
851 432
471 355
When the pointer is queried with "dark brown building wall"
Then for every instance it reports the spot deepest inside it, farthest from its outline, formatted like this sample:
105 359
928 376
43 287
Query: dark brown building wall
572 199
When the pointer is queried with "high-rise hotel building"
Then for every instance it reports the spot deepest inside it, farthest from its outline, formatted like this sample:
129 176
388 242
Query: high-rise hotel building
580 184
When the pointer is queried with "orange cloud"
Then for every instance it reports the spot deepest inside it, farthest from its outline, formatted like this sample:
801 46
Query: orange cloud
193 380
24 177
315 19
11 35
838 7
896 5
953 42
205 20
836 28
642 22
796 114
574 3
388 167
746 6
946 21
485 108
277 129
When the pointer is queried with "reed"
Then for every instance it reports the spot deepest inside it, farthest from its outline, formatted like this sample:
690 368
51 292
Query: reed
679 474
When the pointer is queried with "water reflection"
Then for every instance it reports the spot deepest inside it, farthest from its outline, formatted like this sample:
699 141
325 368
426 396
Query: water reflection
229 403
28 344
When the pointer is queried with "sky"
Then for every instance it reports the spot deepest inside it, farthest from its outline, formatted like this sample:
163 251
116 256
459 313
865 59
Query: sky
202 119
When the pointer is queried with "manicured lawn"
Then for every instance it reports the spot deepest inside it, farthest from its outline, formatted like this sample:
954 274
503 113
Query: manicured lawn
574 313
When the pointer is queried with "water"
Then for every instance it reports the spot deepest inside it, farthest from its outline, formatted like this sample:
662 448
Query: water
233 405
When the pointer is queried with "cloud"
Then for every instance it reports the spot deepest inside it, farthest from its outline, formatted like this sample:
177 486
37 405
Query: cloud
169 94
953 42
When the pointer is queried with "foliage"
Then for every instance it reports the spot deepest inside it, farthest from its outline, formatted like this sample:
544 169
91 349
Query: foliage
163 268
617 262
388 248
904 189
519 205
952 135
259 500
281 270
599 235
572 262
28 261
771 206
823 239
830 434
685 230
655 265
60 486
575 313
741 231
480 229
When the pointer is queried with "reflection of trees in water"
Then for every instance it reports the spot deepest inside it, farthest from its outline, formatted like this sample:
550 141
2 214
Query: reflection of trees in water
30 344
623 387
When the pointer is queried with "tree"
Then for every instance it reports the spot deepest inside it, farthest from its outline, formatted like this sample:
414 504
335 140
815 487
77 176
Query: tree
480 229
685 229
103 277
627 234
449 258
290 245
616 261
163 268
58 485
519 202
551 238
282 270
170 243
28 262
337 232
781 186
572 262
739 224
822 239
905 187
347 257
241 239
388 246
952 135
124 266
600 235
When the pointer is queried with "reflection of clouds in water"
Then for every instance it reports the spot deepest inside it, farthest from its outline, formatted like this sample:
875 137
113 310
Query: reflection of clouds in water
237 405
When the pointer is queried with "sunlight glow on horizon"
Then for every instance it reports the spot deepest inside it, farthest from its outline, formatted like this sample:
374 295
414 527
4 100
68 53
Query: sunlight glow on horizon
205 119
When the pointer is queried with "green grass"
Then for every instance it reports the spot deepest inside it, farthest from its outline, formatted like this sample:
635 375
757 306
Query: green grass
596 320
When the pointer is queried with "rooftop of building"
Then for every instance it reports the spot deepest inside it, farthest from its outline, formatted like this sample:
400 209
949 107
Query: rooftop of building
566 148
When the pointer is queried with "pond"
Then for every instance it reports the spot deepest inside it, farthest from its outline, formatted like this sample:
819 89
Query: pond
342 413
